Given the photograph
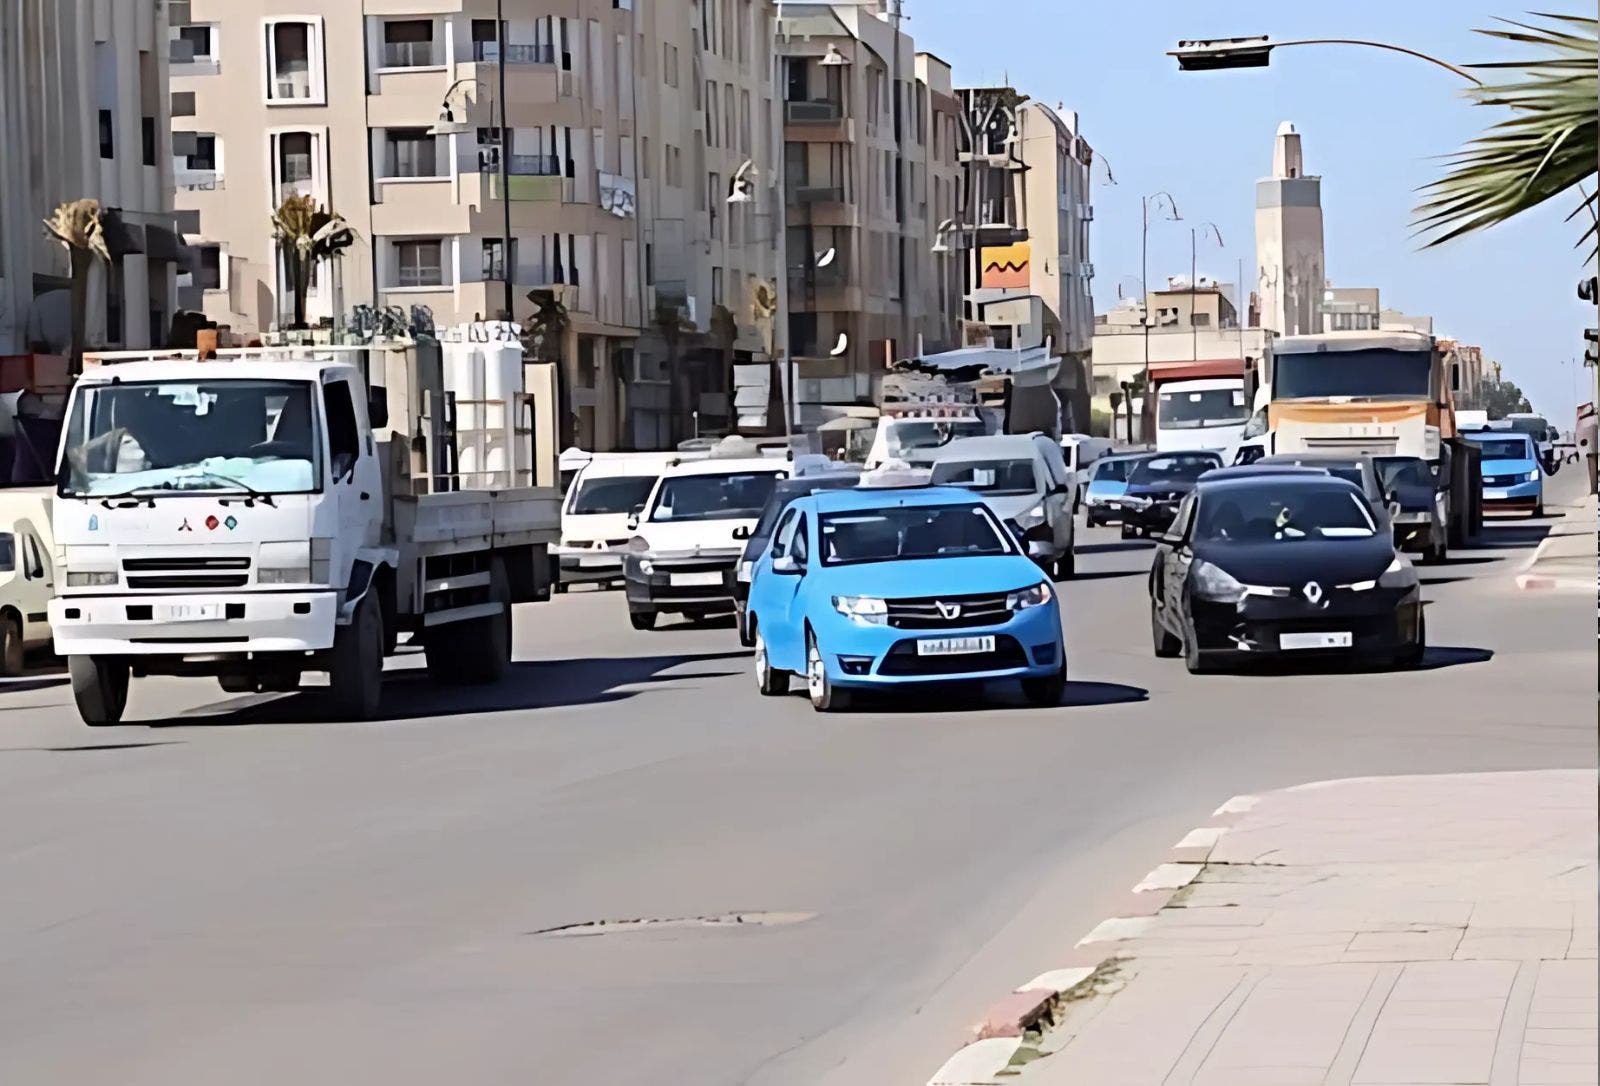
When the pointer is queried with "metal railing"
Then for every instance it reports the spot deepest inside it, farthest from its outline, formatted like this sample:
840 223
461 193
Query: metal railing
198 180
488 52
819 194
408 54
816 111
534 165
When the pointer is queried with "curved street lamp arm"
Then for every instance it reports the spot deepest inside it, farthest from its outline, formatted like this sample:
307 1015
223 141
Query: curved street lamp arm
1445 64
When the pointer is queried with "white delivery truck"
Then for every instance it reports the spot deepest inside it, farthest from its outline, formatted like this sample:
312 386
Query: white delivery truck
253 516
1200 414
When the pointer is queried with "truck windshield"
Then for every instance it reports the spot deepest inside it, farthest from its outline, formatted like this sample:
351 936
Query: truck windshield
891 535
987 476
1369 374
227 435
734 496
906 437
617 494
1192 410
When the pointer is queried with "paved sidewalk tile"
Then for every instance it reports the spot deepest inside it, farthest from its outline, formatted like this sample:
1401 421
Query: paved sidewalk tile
1375 932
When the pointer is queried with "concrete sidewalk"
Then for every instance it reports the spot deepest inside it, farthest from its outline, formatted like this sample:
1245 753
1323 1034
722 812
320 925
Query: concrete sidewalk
1374 931
1566 559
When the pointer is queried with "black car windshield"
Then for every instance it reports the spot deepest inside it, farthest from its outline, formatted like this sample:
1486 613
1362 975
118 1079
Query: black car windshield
901 534
1267 513
734 496
1113 471
1181 468
1504 448
1403 471
617 494
1182 410
987 476
1373 374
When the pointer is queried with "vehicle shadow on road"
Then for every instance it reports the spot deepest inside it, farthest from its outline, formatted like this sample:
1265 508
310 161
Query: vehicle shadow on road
1437 658
1112 548
409 695
33 682
938 700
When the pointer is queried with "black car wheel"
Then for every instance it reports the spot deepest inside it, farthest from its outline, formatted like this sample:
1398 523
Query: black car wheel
1166 646
1196 661
1413 654
741 617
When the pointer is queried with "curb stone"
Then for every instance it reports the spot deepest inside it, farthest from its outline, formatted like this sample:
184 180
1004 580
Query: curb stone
1001 1031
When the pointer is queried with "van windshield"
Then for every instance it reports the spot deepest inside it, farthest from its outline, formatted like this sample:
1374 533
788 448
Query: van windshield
617 494
987 476
1184 410
733 496
1504 448
227 435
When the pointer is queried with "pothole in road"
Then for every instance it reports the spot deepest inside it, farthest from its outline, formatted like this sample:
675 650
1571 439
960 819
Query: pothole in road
724 922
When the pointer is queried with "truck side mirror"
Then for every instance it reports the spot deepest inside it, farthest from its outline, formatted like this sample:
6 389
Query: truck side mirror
378 406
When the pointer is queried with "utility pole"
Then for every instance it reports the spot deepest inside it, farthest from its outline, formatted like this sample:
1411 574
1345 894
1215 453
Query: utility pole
1145 203
895 15
505 158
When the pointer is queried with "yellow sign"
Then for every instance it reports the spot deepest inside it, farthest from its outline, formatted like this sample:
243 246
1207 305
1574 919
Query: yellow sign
1005 267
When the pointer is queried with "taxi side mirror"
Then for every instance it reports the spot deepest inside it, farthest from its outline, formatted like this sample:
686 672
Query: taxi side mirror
786 565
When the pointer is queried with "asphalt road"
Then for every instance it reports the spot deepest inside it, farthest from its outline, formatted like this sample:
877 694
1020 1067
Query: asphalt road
224 893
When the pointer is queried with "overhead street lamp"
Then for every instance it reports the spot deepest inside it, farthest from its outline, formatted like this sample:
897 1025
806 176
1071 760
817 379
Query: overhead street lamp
1170 212
1216 54
453 122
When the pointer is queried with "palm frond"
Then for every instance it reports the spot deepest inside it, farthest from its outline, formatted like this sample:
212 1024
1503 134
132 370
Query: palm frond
1544 148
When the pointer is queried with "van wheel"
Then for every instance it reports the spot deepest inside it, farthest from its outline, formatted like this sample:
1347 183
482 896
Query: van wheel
355 675
100 687
643 620
11 657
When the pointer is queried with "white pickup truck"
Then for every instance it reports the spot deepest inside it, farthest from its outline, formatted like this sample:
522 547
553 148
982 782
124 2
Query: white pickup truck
254 517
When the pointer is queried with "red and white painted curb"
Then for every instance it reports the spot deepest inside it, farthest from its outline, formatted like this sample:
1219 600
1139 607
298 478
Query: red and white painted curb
999 1033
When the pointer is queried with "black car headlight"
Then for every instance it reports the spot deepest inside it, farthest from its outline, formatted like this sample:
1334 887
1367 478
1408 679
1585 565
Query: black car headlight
1400 574
1212 582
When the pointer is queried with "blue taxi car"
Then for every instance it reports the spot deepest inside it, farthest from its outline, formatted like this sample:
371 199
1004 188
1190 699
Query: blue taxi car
884 588
1512 478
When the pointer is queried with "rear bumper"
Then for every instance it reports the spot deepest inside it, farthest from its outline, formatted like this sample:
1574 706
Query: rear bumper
126 625
1156 517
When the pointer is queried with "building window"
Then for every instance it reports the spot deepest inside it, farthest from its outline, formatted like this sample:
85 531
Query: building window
419 263
410 152
209 277
644 157
294 61
713 112
294 164
1202 320
714 197
494 259
108 143
408 43
194 44
716 286
147 139
669 64
204 156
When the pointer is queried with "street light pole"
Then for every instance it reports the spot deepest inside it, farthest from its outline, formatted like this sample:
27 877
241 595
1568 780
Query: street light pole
895 15
1144 282
1194 286
1214 54
505 156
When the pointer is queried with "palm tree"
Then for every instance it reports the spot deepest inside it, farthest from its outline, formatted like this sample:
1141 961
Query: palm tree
76 225
307 234
1544 148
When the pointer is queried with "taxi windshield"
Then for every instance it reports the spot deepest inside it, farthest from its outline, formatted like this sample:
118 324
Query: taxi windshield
903 534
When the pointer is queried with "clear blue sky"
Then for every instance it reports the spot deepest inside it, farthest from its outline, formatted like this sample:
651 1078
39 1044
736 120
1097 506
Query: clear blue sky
1372 122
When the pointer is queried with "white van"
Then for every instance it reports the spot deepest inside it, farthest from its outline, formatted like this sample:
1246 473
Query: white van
1203 414
607 490
1024 479
27 574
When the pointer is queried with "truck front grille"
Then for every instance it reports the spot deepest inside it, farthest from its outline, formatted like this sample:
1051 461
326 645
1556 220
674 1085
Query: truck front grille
186 572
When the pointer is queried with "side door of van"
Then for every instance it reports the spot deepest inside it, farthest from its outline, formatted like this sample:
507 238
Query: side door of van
1060 498
35 583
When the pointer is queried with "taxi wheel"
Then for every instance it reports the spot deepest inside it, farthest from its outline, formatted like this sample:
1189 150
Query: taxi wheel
1046 693
1538 510
825 697
773 682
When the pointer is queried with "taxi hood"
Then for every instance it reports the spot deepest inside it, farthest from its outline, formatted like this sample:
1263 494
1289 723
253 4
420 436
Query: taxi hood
924 578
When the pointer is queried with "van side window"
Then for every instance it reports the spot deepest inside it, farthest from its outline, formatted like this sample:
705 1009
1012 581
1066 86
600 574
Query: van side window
32 560
344 441
8 552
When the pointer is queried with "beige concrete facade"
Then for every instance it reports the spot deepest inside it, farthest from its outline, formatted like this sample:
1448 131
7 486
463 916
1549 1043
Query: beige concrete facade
1290 260
83 114
849 312
611 156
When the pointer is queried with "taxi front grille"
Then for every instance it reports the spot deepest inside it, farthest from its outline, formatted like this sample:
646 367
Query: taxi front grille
948 612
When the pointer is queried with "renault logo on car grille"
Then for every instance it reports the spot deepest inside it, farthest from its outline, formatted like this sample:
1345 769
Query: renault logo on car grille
948 610
1313 592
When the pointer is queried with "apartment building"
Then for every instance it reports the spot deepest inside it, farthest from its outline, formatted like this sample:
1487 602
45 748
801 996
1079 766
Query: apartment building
83 114
862 207
1025 230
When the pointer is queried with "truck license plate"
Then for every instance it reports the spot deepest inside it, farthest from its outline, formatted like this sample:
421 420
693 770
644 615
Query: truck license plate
1332 640
700 579
954 646
189 612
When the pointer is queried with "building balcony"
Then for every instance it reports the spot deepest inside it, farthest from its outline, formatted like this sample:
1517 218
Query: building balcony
820 121
197 180
419 206
489 52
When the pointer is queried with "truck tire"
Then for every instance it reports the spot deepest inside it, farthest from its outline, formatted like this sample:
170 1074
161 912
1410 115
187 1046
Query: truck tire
11 656
355 674
100 687
478 651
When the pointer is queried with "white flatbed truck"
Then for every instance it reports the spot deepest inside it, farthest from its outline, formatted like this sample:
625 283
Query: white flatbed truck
253 516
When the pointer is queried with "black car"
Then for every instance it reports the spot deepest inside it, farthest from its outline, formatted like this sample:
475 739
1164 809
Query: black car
785 492
1282 565
1155 487
1422 509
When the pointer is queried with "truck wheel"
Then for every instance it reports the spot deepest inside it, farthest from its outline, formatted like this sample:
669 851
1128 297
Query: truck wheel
355 676
11 661
100 687
480 649
238 683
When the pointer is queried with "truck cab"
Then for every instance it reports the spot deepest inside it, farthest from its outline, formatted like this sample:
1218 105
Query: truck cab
1205 413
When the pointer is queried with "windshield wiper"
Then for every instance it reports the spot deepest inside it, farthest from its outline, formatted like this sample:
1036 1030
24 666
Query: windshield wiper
123 497
254 494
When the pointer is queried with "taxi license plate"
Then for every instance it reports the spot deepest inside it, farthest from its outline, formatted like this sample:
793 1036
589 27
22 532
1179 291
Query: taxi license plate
1491 493
189 612
702 579
1331 640
954 646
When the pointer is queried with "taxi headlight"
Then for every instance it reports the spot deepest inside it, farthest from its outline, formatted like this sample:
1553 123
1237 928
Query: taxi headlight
1036 596
867 610
1533 476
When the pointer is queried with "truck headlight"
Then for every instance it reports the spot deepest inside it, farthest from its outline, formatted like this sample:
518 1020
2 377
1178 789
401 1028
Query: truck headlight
283 575
96 578
1212 582
867 610
1035 596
